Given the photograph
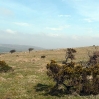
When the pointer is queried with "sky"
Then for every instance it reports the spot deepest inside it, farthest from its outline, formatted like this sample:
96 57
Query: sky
50 23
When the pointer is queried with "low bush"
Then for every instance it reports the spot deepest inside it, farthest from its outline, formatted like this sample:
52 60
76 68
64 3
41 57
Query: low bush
43 56
4 67
74 78
12 51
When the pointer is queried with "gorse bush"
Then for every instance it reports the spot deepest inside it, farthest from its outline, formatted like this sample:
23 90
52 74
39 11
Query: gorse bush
83 80
74 78
4 67
94 58
70 54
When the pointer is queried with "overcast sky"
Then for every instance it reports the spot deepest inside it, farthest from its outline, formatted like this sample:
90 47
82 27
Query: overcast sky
50 23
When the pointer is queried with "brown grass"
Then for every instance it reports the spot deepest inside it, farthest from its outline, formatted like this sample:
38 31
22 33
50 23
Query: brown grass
30 70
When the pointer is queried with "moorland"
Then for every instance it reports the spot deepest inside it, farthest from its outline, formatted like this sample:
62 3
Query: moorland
28 79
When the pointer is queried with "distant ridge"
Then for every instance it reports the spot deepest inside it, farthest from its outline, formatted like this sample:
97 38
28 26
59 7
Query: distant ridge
7 47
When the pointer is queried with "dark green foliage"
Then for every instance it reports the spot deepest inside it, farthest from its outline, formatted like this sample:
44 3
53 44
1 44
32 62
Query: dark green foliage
4 67
74 78
30 49
70 54
43 56
94 59
12 51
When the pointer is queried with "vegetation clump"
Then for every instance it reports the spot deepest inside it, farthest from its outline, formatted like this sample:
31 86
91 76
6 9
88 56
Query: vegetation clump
70 54
30 49
4 67
12 51
73 77
43 56
94 59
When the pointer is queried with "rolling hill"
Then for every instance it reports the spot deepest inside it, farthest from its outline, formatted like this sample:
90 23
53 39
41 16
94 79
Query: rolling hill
7 47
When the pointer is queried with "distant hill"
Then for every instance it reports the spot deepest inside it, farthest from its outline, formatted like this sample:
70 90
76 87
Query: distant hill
7 47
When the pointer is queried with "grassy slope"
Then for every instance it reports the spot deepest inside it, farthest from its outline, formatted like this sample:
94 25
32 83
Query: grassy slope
8 47
29 79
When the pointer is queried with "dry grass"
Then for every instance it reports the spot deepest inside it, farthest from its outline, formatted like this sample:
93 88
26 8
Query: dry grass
30 70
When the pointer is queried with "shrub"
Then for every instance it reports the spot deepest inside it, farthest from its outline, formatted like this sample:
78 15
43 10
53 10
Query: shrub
4 67
74 77
70 54
59 74
94 58
43 56
12 51
30 49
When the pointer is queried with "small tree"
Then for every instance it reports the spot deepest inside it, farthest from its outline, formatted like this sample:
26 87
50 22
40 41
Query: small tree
12 51
70 54
94 58
30 49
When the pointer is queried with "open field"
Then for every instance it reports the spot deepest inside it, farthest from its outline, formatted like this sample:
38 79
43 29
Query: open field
29 79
